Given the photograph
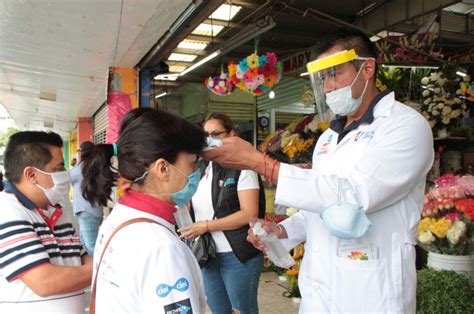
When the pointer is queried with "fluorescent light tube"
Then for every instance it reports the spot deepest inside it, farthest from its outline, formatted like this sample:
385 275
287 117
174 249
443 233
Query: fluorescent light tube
461 73
201 62
161 95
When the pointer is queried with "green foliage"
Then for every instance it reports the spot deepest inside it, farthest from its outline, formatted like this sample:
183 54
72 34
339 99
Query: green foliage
5 136
443 292
463 131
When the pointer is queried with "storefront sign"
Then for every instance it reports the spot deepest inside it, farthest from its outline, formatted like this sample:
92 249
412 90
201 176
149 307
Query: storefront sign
297 63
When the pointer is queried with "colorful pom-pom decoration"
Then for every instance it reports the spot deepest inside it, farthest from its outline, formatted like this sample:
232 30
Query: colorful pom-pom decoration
256 74
220 85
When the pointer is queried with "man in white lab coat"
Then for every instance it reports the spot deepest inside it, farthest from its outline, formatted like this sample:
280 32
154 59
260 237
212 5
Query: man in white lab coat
360 257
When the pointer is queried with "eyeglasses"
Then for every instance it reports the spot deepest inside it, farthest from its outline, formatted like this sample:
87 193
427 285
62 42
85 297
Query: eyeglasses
214 134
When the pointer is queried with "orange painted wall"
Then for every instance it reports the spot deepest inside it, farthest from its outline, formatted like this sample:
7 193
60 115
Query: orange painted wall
125 80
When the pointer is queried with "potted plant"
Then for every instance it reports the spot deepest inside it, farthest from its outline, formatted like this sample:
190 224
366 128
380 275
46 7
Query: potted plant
443 292
445 229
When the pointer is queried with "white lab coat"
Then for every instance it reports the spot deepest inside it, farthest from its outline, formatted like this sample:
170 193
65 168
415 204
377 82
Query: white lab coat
386 162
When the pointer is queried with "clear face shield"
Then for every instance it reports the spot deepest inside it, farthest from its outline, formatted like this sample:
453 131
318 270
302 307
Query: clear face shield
327 76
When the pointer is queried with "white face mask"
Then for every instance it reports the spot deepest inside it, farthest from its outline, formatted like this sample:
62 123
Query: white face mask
341 102
60 189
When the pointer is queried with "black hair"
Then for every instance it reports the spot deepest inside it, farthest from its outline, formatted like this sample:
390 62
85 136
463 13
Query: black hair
145 136
85 149
28 148
348 39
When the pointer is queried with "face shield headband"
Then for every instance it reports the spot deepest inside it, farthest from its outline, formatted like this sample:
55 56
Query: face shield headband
324 76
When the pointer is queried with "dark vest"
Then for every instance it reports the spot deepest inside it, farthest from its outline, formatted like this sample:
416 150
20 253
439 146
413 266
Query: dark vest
226 202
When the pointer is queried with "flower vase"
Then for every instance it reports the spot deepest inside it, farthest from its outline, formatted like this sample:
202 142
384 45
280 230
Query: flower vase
443 133
463 264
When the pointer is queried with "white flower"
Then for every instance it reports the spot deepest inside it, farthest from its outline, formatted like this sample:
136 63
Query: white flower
426 237
427 101
458 92
435 76
426 115
426 93
435 112
447 110
440 105
437 90
461 225
455 113
432 123
456 232
291 211
313 125
457 100
446 120
425 81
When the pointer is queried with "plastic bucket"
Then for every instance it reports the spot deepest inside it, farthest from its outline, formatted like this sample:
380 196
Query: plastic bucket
463 264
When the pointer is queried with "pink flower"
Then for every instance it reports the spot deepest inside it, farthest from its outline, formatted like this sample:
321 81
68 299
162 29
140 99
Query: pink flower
271 58
453 216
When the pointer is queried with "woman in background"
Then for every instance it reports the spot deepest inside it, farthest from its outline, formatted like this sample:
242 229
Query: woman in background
225 201
89 217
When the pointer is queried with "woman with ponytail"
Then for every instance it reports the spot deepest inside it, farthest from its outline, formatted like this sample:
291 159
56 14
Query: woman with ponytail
140 264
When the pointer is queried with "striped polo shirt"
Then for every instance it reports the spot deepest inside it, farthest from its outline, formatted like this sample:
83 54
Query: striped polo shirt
26 242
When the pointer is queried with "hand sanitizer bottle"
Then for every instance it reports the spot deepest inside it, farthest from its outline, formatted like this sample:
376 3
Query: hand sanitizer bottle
276 251
182 217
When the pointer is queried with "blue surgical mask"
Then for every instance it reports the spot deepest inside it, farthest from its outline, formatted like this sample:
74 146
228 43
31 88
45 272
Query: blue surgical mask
345 220
182 197
341 101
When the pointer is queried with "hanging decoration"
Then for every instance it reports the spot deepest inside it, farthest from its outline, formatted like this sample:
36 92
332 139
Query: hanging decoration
256 74
220 84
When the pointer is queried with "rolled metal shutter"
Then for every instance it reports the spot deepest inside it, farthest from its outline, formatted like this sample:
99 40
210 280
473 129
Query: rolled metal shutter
236 111
101 122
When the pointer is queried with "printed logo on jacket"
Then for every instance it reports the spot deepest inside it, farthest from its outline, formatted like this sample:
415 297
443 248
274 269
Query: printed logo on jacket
180 307
163 289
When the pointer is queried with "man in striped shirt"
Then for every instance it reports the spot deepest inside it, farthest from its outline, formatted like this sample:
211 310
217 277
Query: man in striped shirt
42 264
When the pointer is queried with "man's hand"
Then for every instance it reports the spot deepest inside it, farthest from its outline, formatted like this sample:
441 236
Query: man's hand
269 228
236 153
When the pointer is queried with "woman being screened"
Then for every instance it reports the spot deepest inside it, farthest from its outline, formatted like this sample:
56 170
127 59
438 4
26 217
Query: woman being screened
146 267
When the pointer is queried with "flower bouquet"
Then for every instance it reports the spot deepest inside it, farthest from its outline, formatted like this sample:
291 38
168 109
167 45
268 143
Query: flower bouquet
220 85
256 74
441 107
295 144
448 212
292 273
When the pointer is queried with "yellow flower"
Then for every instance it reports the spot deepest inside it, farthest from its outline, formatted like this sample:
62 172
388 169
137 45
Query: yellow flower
424 224
252 61
441 227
